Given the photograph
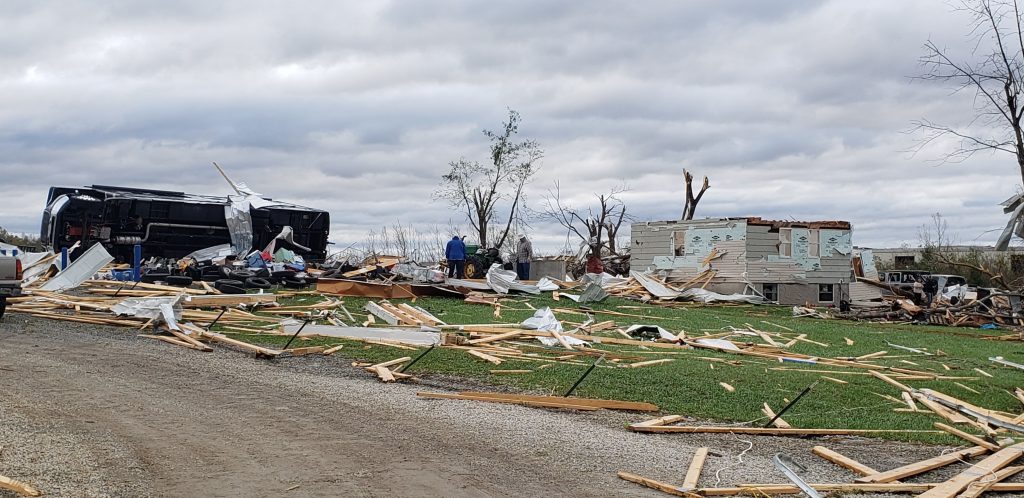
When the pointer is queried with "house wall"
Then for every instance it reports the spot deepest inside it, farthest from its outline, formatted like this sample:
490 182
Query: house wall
741 253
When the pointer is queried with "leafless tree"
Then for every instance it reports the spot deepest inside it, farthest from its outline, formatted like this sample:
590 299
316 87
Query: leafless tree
993 73
597 225
478 189
691 201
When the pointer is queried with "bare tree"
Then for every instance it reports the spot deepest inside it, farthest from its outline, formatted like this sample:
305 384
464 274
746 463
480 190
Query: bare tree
478 188
994 76
691 201
597 226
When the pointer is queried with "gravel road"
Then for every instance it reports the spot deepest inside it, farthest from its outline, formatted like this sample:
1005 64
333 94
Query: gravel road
95 411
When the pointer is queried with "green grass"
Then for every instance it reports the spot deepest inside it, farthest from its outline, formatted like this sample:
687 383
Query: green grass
689 385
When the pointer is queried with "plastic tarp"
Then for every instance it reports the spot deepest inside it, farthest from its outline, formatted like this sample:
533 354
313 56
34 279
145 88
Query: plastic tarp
545 284
418 273
707 297
718 343
212 253
503 281
148 307
545 321
80 270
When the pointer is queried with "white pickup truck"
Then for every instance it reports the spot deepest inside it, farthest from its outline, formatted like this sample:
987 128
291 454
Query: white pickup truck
10 280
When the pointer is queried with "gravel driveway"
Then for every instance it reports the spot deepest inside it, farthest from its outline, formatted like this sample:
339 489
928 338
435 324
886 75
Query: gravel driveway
95 411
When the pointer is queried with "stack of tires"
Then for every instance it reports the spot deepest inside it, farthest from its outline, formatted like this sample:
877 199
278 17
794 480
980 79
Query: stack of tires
229 280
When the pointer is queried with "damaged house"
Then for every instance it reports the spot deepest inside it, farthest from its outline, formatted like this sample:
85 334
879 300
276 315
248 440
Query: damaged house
788 262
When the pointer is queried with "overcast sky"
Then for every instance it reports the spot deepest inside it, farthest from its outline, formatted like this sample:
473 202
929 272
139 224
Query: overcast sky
796 110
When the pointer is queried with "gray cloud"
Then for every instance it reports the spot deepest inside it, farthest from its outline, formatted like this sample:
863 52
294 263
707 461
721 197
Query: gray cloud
794 109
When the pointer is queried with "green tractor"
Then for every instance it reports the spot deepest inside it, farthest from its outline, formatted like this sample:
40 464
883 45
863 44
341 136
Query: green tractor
478 261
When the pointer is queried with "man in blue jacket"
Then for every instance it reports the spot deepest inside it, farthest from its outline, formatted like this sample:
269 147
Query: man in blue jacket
455 253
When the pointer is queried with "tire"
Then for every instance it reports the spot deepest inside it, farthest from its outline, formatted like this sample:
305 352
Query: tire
225 271
283 274
3 306
231 289
263 273
242 275
155 276
210 278
178 281
257 283
476 267
295 283
226 282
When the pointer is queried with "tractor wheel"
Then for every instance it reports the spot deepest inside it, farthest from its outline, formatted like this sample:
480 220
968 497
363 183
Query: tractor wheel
476 267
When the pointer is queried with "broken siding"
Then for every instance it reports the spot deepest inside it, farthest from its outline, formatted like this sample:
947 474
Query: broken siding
649 240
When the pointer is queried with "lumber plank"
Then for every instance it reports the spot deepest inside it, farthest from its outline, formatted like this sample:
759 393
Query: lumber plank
333 350
609 404
18 487
890 381
389 363
763 430
768 412
496 337
485 356
658 485
384 374
540 404
976 488
971 438
843 461
696 465
214 301
667 419
252 348
788 489
993 463
647 363
916 468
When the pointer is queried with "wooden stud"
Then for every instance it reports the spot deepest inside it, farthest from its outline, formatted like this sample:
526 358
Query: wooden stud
976 488
993 463
768 412
971 438
843 461
923 466
485 356
693 471
18 487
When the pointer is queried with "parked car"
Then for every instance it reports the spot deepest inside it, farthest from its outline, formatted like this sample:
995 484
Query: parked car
10 280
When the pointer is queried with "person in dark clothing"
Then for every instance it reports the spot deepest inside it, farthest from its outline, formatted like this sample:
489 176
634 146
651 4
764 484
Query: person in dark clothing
930 288
455 253
524 255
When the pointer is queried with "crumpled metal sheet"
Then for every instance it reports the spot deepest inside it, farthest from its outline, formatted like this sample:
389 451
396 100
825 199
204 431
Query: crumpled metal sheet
1014 206
706 296
503 281
653 286
147 307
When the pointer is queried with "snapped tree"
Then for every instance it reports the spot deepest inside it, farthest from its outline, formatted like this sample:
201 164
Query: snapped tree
691 200
992 72
597 226
478 189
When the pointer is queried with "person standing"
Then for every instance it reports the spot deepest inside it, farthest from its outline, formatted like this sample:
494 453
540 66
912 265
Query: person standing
524 254
455 253
930 287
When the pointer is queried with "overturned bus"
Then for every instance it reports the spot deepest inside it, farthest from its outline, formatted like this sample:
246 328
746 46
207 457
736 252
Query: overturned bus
172 224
